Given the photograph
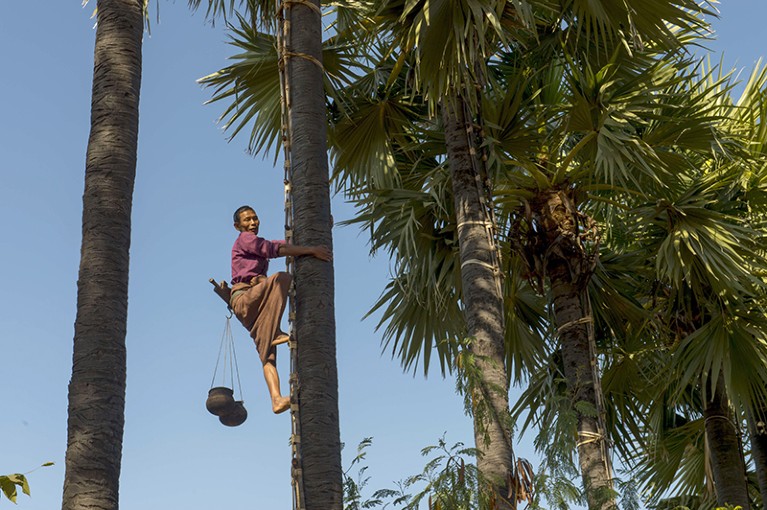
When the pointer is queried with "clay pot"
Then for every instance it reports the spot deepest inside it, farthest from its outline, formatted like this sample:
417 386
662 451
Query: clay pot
236 416
220 401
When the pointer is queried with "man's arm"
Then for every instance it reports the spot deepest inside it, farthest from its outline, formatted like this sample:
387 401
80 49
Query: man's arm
319 252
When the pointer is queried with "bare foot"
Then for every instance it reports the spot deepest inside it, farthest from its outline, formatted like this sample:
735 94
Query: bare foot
280 339
280 404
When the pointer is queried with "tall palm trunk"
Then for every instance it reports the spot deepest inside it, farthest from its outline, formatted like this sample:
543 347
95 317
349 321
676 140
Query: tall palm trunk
568 274
483 307
315 315
758 431
568 311
727 463
97 388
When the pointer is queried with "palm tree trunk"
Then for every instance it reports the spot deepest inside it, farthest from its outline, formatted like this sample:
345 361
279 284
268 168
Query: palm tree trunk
758 431
727 463
315 313
568 312
97 388
483 307
568 277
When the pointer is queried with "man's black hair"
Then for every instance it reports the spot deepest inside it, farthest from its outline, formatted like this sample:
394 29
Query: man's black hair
241 210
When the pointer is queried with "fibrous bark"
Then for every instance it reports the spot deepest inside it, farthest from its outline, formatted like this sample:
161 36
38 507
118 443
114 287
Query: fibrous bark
568 268
97 388
483 307
315 312
758 430
577 358
727 463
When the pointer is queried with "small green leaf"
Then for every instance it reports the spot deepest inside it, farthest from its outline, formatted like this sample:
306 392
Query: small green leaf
24 484
8 488
8 485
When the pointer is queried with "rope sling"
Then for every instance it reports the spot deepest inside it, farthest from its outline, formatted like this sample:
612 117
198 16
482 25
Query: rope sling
227 360
222 400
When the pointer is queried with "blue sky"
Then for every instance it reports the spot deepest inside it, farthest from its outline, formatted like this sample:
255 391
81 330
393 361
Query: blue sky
189 179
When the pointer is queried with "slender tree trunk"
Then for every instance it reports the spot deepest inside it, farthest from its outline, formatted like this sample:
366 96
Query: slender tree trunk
727 463
97 388
758 429
565 266
483 307
315 315
568 311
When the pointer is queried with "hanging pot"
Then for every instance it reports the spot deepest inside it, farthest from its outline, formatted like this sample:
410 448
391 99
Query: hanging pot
236 416
220 401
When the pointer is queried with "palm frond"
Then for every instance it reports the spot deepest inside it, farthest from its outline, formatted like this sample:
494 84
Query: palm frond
260 12
700 246
634 23
251 85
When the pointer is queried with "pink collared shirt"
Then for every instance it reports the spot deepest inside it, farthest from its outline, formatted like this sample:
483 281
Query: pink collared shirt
250 256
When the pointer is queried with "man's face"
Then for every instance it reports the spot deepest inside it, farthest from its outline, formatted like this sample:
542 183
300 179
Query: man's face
248 222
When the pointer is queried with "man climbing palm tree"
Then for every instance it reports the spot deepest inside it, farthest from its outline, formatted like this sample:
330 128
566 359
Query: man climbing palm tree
257 300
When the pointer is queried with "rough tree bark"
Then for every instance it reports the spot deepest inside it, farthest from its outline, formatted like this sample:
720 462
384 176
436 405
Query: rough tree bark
758 429
315 312
97 388
727 463
568 274
483 307
568 310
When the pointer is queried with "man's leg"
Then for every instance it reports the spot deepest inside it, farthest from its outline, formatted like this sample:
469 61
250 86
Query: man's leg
279 403
266 328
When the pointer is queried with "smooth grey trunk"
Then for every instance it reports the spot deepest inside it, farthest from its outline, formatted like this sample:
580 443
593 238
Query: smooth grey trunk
483 307
727 464
315 313
758 430
97 388
565 264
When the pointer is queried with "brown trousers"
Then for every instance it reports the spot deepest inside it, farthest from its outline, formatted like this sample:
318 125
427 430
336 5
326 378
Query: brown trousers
259 308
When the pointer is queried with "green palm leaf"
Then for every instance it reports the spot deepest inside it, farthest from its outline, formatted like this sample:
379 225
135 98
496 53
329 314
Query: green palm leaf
251 84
